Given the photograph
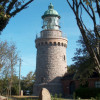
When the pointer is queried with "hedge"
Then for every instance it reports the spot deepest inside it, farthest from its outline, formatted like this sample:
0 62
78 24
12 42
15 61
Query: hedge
87 93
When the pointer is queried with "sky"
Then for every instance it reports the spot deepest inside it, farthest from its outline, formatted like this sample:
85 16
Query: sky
22 30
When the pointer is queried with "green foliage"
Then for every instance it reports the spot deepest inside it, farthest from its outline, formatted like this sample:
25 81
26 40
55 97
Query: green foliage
60 95
71 69
4 18
74 95
93 98
9 8
56 97
85 93
83 63
98 97
15 86
91 46
4 86
28 82
51 97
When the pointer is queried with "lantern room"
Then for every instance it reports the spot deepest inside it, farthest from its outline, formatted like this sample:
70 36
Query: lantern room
51 19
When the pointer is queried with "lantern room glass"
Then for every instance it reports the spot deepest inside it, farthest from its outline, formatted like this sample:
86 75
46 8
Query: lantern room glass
51 23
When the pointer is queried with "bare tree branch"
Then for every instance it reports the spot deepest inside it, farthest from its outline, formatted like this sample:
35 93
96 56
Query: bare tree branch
83 28
23 7
10 6
86 10
98 7
1 1
94 21
4 3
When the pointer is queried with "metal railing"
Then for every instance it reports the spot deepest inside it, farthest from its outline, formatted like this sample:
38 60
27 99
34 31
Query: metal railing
39 35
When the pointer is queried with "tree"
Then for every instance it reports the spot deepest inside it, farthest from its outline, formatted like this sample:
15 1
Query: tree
15 89
9 8
83 66
8 60
28 82
13 58
71 69
4 86
3 53
78 7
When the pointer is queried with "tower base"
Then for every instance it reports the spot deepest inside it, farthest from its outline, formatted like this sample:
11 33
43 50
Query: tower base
54 88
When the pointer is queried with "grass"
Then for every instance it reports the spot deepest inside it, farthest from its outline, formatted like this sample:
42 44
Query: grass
23 98
36 98
51 99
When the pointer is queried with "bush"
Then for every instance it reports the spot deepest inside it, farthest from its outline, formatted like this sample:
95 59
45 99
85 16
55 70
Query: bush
98 97
87 93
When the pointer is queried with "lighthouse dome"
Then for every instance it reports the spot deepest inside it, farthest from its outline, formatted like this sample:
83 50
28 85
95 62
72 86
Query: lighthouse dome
50 12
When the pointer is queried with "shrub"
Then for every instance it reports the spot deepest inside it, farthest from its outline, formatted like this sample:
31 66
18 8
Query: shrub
98 97
74 95
60 95
55 97
87 93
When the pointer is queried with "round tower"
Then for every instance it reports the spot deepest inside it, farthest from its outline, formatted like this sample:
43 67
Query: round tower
51 54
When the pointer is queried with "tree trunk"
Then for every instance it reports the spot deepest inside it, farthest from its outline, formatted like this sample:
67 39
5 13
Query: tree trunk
76 8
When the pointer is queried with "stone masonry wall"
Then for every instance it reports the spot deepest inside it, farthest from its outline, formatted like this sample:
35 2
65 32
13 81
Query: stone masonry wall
51 64
50 34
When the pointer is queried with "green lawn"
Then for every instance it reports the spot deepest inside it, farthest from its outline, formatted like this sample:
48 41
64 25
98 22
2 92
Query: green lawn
28 98
23 98
36 98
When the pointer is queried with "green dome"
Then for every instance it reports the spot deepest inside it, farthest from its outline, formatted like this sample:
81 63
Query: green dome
50 12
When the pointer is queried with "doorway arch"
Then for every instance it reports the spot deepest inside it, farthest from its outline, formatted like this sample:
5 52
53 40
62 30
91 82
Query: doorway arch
72 87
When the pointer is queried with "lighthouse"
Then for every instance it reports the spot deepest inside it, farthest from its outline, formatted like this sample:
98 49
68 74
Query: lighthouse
51 46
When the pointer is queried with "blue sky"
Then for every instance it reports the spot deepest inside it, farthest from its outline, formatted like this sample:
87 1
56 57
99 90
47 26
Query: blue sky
22 30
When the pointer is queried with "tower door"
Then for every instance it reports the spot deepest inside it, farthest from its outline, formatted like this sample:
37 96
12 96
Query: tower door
72 87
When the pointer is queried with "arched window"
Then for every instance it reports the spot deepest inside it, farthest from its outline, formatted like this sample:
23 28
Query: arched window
64 57
50 43
54 43
72 87
41 43
46 43
62 44
58 43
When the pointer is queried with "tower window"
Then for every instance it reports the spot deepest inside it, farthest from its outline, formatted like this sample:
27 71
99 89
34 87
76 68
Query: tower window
62 44
46 43
50 43
58 43
41 43
42 79
54 43
64 57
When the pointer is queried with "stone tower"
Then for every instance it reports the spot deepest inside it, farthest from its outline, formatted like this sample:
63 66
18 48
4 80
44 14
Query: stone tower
51 54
